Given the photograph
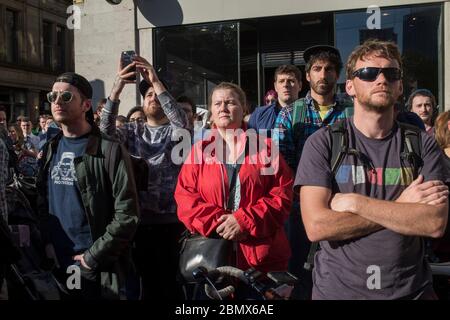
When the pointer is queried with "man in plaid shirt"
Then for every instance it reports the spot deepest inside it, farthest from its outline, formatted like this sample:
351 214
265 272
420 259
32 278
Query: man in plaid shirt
319 108
296 123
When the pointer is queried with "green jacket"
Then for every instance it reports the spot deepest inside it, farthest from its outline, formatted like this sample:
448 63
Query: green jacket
111 206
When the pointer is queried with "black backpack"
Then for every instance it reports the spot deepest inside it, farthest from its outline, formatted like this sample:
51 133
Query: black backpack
411 151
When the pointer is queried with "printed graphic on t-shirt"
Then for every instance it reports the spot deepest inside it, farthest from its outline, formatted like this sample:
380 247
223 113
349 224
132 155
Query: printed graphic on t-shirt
378 176
64 172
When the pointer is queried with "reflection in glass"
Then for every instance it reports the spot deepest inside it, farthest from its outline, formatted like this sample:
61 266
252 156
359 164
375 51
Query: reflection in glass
415 29
192 59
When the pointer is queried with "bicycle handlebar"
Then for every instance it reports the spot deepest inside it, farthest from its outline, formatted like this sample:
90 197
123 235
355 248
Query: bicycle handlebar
257 280
234 272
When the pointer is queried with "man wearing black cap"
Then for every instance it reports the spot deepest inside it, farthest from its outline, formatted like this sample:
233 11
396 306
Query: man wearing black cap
156 241
88 209
321 107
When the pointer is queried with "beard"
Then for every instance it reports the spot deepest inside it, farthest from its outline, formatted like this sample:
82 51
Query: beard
322 87
380 107
154 112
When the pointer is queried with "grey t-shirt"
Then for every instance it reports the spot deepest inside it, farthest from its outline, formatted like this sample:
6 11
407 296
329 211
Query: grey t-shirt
342 268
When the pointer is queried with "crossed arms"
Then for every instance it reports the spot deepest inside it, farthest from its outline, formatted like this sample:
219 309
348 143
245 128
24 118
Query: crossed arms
421 210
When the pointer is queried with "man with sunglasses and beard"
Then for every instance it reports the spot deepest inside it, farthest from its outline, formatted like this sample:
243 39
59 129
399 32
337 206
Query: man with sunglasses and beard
88 208
321 107
371 219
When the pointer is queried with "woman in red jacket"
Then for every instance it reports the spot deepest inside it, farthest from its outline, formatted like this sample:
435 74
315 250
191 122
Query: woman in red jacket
262 198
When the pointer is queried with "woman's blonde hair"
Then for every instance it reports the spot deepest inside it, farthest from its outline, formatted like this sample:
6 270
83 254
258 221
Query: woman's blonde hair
441 132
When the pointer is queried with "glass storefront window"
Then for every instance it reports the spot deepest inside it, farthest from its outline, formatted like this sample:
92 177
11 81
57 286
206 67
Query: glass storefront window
15 102
60 48
192 59
415 30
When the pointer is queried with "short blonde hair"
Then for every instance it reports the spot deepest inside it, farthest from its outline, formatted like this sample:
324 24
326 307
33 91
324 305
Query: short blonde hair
236 89
384 49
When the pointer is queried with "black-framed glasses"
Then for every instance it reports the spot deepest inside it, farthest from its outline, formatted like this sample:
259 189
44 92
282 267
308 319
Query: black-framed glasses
371 73
66 96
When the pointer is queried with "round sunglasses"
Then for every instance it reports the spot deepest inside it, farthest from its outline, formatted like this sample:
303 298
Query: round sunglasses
371 73
66 96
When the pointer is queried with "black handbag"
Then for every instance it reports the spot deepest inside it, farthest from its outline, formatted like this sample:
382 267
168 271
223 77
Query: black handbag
208 252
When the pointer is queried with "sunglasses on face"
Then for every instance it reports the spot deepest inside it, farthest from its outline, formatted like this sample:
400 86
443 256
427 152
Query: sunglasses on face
371 73
66 96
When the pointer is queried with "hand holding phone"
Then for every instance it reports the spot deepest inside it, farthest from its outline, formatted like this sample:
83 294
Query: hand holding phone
126 59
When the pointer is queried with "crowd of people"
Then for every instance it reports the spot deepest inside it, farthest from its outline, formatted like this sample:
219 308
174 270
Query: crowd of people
357 181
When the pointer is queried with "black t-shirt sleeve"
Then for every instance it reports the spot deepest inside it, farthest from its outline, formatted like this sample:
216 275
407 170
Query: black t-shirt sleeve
314 168
433 160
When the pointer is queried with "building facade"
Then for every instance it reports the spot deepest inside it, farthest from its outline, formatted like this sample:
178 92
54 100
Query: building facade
194 45
35 46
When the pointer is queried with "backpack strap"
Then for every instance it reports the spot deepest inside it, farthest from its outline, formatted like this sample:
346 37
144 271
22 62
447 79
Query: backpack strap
412 153
411 146
339 148
339 144
299 113
309 264
349 110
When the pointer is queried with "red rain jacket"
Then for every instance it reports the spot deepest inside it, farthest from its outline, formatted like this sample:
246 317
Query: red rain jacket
266 199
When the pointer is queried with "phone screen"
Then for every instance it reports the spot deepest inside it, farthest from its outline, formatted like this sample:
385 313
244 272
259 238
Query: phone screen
127 58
